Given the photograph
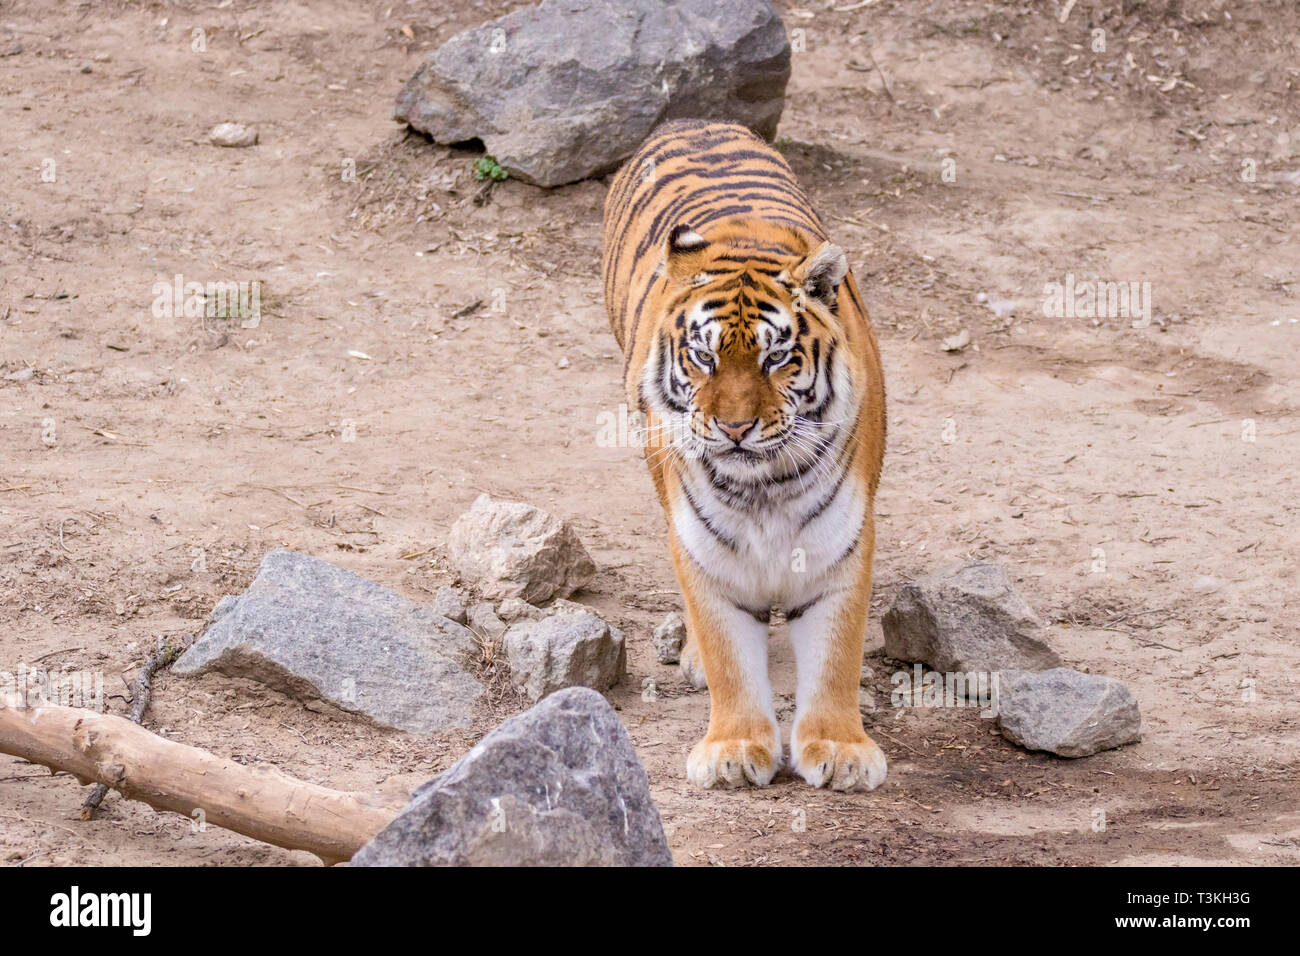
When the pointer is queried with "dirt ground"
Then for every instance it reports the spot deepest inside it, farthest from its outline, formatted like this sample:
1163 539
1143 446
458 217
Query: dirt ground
147 464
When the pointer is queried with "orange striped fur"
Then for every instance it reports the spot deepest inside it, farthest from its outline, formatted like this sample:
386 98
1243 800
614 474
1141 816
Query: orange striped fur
748 348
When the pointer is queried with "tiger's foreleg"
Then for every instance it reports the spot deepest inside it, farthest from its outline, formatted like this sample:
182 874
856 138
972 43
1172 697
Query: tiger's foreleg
743 743
828 746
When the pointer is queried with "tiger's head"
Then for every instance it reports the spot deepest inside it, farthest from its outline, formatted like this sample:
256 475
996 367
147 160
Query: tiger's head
749 364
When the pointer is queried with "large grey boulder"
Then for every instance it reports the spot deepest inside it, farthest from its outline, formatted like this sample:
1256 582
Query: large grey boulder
513 550
570 88
315 631
566 649
1066 712
966 618
559 785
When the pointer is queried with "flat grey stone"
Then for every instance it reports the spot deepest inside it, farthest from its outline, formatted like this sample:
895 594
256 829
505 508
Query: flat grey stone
315 631
565 649
570 88
1066 712
559 785
966 618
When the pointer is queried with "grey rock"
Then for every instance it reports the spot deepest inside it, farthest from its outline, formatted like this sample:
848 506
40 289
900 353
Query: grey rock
514 609
450 603
484 622
507 549
559 785
315 631
570 88
224 606
233 135
1066 712
567 649
669 637
966 618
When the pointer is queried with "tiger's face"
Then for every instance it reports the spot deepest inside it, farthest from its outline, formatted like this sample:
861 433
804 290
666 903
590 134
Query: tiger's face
745 366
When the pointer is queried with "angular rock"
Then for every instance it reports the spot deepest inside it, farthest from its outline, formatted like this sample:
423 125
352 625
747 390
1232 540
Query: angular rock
315 631
570 649
507 549
514 609
559 785
966 618
450 603
234 135
1066 712
570 88
484 622
669 637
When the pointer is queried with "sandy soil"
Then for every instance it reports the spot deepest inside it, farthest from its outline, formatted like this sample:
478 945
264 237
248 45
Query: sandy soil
1104 465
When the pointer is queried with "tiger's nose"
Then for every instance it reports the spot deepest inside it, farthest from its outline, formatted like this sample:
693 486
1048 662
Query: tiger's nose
736 431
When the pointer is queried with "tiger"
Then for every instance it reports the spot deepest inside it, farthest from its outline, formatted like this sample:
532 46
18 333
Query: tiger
751 358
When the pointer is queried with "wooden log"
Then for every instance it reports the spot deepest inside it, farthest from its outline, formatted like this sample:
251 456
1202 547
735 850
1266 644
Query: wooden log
264 804
142 691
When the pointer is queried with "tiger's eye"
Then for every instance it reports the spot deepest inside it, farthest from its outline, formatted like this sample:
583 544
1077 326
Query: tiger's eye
702 358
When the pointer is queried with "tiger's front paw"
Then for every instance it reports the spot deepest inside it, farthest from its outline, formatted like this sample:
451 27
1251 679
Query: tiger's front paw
733 762
840 764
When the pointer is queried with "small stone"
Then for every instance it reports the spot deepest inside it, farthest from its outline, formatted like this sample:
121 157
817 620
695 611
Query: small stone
1066 712
669 637
87 68
514 609
508 549
233 135
22 375
955 343
966 618
559 785
568 649
484 622
450 603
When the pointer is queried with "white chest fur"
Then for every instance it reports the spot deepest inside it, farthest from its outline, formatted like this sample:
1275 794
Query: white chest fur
772 553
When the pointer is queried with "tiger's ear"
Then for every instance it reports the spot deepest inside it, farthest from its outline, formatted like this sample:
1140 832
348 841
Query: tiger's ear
683 254
820 275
